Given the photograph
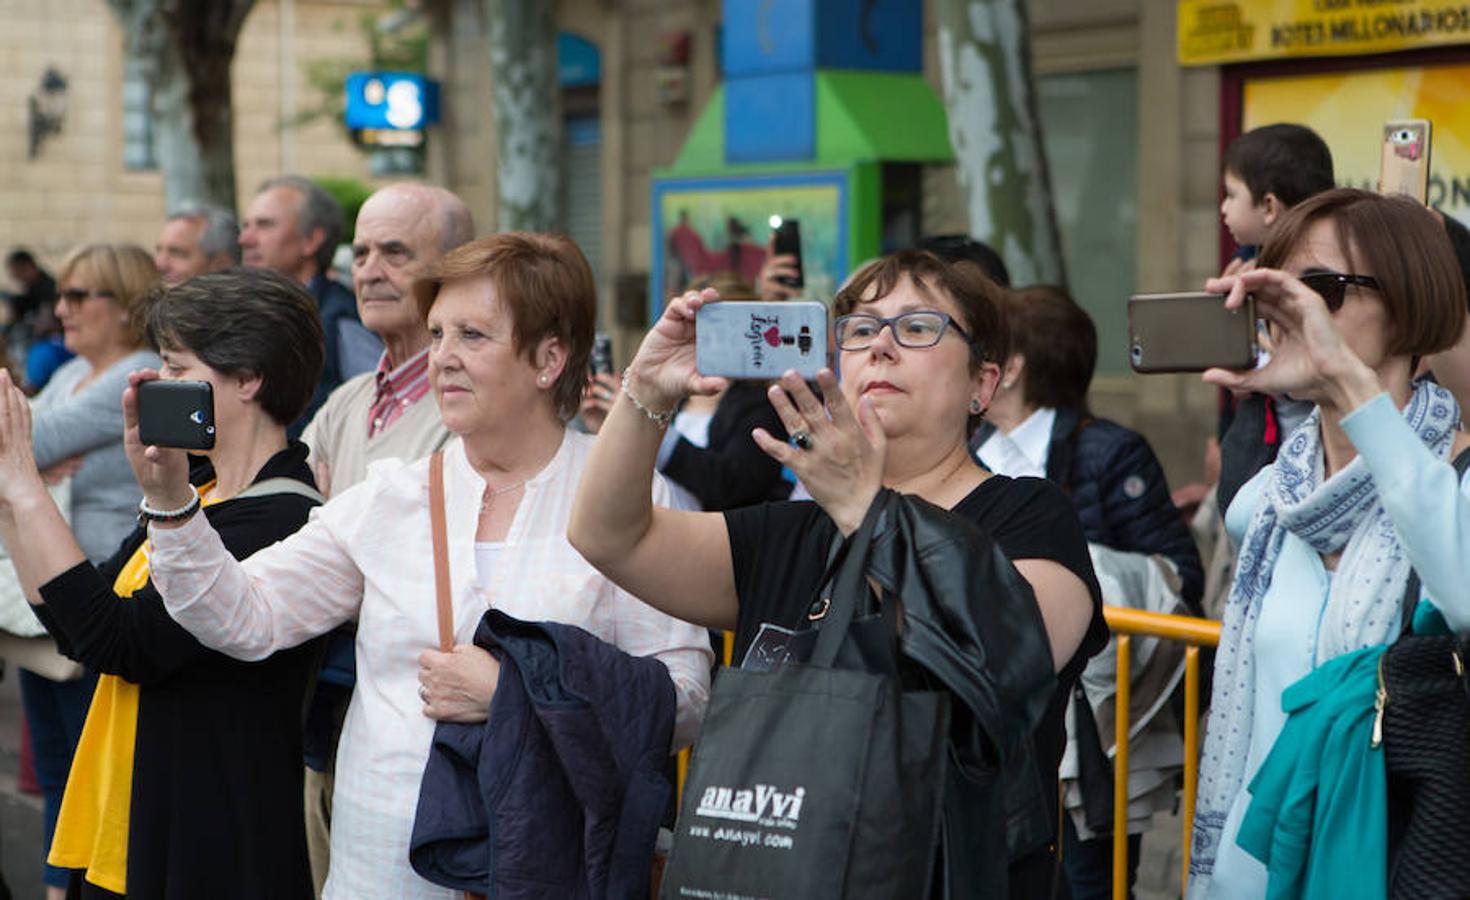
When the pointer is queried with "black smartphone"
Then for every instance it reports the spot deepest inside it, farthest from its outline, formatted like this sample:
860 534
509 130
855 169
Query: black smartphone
788 240
601 362
178 414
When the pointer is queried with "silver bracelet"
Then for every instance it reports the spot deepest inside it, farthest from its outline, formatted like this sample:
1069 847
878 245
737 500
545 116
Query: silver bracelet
661 419
148 514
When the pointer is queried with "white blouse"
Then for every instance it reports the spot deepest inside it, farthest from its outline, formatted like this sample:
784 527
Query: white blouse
367 554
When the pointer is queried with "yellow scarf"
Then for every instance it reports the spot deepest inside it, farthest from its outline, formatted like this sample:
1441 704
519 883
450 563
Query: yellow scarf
92 829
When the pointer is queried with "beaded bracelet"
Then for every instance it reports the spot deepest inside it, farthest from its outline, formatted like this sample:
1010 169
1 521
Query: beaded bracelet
148 514
661 419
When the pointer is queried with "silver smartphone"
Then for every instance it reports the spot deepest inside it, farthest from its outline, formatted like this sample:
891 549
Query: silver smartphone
759 341
1189 332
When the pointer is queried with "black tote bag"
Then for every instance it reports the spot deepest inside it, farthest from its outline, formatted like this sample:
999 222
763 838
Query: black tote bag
817 781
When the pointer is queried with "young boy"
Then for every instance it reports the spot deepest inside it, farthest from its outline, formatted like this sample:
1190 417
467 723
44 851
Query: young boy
1266 171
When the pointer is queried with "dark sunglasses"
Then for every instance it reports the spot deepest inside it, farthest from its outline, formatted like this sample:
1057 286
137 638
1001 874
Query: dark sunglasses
1332 286
77 295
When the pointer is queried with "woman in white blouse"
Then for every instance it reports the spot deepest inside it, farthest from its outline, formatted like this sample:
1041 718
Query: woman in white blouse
511 319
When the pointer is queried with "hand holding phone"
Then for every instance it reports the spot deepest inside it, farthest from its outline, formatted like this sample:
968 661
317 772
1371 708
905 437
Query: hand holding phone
786 241
177 414
1403 166
758 340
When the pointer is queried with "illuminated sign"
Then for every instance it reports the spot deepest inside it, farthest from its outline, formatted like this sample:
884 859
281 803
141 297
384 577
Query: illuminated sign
391 101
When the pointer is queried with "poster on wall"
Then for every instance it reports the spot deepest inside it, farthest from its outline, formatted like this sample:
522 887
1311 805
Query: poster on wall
705 226
1349 108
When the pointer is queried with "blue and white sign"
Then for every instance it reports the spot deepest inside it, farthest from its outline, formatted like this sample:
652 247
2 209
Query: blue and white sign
395 101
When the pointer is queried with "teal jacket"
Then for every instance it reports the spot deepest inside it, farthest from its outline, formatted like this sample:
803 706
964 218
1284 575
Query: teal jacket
1318 817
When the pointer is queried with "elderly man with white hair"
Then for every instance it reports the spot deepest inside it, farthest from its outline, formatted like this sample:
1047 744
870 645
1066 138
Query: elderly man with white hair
385 413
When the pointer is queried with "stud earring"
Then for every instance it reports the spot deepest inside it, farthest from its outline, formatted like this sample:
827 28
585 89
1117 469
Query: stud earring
975 407
541 379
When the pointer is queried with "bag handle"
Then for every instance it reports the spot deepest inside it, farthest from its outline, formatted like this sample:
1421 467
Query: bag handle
441 552
1411 590
849 586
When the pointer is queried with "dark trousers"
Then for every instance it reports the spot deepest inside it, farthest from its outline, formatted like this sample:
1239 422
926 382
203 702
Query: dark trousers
1089 864
55 712
78 888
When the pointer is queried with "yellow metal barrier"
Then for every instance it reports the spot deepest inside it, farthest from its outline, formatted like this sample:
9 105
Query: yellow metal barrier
1196 633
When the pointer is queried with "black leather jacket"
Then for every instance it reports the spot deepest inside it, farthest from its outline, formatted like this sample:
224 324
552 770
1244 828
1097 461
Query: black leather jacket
972 625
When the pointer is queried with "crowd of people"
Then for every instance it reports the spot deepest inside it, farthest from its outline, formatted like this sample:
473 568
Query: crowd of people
438 605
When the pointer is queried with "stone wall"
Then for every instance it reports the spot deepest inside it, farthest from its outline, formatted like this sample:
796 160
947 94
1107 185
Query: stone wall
78 190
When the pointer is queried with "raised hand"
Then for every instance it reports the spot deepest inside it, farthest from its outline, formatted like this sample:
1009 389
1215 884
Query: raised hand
597 399
1309 357
18 472
663 371
162 473
837 455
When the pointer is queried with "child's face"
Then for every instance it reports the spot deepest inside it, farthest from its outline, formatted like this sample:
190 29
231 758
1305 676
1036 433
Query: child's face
1246 219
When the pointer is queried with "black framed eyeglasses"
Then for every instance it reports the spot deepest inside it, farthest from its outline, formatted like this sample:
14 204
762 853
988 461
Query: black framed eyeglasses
915 330
1332 286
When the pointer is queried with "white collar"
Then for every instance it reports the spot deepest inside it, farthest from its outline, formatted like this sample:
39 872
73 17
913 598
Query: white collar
1033 436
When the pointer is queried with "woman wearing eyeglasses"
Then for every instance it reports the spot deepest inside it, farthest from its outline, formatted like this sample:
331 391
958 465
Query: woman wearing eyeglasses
1355 287
78 430
919 341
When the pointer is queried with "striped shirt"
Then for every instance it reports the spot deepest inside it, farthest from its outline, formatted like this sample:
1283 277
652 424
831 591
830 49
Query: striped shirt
398 389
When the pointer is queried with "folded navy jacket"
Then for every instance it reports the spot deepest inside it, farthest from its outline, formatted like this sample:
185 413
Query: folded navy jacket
561 793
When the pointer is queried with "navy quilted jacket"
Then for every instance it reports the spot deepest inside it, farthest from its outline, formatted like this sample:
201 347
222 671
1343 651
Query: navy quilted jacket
560 794
1120 493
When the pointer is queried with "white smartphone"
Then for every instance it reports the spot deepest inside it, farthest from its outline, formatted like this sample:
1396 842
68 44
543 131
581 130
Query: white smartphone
759 341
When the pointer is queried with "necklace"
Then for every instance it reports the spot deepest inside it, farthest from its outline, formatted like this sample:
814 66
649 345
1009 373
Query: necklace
492 494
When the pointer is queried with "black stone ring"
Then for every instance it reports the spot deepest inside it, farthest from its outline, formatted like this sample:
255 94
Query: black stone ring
801 440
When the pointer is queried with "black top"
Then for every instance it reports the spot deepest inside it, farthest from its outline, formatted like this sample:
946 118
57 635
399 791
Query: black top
217 778
732 471
780 550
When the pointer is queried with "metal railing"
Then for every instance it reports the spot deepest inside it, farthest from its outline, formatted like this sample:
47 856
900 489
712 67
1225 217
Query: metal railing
1125 623
1196 633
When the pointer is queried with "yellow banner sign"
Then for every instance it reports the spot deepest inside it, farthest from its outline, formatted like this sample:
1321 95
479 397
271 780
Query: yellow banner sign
1349 108
1211 31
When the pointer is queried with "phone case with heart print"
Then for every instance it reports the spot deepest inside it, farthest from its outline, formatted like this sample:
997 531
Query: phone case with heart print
759 341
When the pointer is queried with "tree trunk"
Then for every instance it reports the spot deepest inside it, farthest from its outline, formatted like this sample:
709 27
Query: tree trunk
527 97
985 62
184 48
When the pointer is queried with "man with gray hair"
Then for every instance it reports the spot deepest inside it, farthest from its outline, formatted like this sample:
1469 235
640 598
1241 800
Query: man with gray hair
293 226
387 413
196 239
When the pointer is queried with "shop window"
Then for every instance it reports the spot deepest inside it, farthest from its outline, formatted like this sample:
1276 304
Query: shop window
1090 127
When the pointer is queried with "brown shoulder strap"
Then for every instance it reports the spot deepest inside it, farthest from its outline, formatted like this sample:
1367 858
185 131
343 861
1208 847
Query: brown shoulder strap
441 552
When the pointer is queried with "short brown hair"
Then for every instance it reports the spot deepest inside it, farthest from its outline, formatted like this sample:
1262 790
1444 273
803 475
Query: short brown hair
124 271
1059 342
545 282
1399 243
246 322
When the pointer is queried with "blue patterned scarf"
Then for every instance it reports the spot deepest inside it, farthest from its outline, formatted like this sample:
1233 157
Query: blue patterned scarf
1339 515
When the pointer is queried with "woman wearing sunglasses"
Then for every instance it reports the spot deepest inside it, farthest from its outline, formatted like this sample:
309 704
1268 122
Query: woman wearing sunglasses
919 341
1355 287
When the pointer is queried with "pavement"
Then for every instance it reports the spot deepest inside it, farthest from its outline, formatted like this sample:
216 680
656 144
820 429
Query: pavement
20 814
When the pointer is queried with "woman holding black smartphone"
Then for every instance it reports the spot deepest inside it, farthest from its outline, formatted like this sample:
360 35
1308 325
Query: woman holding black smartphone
187 779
